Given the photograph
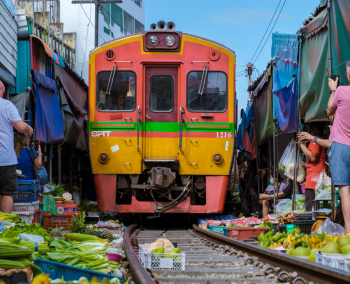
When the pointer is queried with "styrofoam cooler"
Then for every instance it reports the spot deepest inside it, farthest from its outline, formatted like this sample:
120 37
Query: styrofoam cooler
29 217
25 206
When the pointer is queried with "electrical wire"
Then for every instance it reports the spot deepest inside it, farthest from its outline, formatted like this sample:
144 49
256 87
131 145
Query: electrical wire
87 33
270 31
92 23
266 30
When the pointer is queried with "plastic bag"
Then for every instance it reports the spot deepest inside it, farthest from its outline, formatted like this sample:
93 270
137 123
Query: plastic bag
31 238
328 227
284 206
118 243
300 202
107 224
49 205
48 188
285 157
323 187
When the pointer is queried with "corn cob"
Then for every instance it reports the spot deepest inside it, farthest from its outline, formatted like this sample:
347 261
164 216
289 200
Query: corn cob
10 240
83 237
5 263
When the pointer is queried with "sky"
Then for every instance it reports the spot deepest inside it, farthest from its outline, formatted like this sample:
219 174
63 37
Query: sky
237 24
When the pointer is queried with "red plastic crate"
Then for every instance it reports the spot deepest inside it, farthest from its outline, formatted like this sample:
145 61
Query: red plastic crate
243 233
59 221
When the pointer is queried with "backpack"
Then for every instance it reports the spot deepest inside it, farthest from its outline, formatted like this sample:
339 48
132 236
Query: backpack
41 174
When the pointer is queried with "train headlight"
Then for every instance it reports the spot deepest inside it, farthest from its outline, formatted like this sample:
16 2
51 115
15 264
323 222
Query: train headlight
217 158
103 158
169 40
153 40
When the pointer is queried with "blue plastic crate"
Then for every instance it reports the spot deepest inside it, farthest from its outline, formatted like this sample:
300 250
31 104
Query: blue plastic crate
28 191
219 229
69 272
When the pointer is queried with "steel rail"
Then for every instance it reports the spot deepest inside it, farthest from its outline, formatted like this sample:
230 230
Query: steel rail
140 275
313 272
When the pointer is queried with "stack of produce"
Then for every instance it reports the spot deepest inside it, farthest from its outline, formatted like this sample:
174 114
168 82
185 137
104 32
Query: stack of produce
286 218
267 225
14 256
84 251
23 228
59 190
79 226
269 240
12 218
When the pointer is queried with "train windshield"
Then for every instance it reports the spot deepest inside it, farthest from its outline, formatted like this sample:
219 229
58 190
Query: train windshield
116 92
206 91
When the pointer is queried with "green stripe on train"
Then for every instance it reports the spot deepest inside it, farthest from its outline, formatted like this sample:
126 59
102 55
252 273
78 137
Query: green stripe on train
163 126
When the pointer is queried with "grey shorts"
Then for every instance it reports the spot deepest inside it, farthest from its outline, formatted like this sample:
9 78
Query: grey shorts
8 180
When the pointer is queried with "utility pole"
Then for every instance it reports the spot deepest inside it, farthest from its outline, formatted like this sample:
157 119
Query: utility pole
97 6
250 72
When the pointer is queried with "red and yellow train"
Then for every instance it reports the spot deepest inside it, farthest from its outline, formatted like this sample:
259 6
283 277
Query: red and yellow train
162 122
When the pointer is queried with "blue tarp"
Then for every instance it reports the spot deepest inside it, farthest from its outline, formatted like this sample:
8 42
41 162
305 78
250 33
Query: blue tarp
285 46
48 116
286 105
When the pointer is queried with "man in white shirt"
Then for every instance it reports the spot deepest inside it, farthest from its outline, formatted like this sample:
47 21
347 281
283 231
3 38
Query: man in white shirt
9 118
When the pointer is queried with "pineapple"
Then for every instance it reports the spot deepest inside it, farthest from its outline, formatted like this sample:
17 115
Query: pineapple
107 235
90 229
56 233
78 224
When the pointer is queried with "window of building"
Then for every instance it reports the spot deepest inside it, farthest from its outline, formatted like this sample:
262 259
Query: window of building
129 23
117 16
105 10
122 95
107 31
139 28
161 93
214 91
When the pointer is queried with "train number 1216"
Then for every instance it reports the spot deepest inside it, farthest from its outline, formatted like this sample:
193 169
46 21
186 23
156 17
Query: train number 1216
224 134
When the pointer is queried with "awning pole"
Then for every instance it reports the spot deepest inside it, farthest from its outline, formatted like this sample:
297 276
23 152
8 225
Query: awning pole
329 2
59 162
274 145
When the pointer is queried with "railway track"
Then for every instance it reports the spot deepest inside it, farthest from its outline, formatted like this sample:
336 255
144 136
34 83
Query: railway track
213 258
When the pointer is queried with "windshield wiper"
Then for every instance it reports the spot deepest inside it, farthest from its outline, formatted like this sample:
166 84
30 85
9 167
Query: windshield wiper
202 84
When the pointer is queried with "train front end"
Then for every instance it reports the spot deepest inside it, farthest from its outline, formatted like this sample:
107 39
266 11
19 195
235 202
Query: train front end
161 123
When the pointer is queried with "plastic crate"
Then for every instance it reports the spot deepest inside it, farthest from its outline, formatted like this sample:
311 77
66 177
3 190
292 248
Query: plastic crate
60 221
25 206
334 260
243 233
219 229
305 225
164 261
29 217
28 191
69 272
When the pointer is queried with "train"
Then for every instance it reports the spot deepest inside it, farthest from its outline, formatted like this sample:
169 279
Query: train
162 118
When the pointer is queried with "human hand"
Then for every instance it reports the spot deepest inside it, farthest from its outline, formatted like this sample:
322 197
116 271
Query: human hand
331 118
39 150
262 196
304 164
305 136
333 84
29 131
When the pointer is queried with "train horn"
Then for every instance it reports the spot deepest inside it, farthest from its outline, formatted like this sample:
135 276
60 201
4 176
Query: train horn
153 27
171 26
161 26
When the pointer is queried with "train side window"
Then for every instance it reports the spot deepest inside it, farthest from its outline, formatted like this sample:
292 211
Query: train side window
161 89
206 93
122 95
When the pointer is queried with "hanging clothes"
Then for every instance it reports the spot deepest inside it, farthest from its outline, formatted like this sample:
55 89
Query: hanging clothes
21 101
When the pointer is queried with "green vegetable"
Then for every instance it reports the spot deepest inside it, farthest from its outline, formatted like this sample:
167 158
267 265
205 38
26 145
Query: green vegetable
33 229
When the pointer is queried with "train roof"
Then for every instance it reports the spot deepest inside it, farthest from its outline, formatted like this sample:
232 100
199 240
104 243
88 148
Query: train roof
138 34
